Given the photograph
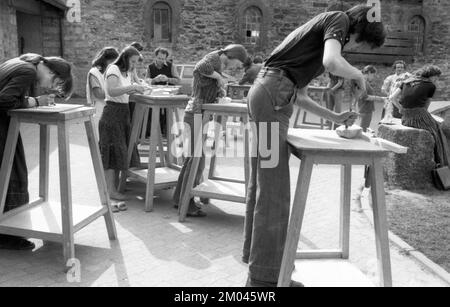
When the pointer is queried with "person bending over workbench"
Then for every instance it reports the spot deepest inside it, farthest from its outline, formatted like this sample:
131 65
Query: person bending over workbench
305 54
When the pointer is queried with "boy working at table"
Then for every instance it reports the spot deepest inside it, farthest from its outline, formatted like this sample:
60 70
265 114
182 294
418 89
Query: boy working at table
366 108
306 53
366 103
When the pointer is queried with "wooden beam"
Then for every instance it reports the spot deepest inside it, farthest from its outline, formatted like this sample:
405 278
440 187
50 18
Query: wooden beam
385 144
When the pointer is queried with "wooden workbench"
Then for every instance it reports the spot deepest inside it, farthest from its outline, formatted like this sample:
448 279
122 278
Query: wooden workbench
215 187
326 147
45 219
165 176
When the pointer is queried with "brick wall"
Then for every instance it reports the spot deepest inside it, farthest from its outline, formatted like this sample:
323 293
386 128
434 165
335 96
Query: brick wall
51 28
8 31
202 26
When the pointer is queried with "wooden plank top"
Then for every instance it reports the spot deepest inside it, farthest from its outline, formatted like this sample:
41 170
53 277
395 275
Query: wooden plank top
228 108
329 141
60 112
237 86
46 218
161 101
317 88
437 107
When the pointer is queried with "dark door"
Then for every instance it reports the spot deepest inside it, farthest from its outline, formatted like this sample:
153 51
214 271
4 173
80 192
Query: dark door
29 33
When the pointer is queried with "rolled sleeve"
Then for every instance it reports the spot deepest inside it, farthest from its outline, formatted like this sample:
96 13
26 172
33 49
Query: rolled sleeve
113 70
337 27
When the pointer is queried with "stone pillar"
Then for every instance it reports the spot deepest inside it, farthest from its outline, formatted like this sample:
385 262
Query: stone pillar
410 171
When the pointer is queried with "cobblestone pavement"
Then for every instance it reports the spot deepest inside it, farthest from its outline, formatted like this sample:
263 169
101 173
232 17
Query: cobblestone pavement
153 249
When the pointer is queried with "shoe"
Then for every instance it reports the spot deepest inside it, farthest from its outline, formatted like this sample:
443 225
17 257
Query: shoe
193 206
118 197
296 284
197 213
16 243
204 201
115 208
122 206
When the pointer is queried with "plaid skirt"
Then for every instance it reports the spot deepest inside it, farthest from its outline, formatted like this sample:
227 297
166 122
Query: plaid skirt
420 118
114 133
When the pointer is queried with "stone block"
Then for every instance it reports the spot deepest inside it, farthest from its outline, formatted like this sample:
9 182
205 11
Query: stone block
410 171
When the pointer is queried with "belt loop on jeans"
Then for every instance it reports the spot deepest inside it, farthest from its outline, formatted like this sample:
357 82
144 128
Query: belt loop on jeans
280 73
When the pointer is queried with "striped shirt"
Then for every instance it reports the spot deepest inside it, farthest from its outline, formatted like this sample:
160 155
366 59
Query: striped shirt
205 90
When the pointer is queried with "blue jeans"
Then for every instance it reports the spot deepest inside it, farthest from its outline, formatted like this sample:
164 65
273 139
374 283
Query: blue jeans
186 170
268 201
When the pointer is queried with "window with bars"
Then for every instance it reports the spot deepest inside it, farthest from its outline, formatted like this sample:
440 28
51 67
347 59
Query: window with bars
162 22
417 26
252 25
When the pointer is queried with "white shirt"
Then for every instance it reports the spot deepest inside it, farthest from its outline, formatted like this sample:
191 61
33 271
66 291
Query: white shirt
98 76
113 70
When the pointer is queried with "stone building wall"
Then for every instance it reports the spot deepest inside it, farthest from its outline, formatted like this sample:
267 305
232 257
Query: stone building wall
201 26
52 28
8 32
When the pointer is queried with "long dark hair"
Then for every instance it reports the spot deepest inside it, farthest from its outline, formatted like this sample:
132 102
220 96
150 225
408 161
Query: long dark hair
60 67
338 6
235 52
428 71
137 46
373 33
102 58
123 61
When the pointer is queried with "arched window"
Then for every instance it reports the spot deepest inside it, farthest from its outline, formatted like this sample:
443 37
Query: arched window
252 25
162 22
417 26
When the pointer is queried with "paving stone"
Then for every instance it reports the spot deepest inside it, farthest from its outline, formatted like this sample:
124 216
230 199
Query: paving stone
152 252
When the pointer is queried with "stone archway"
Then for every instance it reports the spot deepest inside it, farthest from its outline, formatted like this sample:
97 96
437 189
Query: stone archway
175 8
408 17
266 21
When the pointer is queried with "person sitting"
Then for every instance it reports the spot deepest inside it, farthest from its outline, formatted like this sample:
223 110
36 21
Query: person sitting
414 96
252 69
161 72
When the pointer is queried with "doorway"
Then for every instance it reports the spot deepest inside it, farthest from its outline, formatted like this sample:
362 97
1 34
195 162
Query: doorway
29 33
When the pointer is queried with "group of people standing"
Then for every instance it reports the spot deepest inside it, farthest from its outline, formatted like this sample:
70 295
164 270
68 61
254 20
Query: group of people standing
280 82
111 81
